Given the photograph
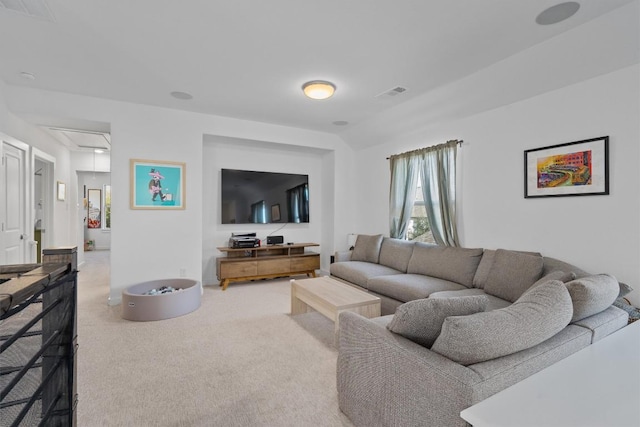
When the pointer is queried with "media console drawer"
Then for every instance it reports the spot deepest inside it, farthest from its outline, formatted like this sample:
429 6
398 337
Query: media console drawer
305 263
237 269
273 266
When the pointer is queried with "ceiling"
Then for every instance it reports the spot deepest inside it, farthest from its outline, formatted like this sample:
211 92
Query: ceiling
248 59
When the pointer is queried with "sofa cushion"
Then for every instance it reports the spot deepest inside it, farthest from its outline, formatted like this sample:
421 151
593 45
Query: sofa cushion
421 320
396 253
536 316
367 248
592 294
512 273
445 262
407 287
482 273
359 272
604 323
493 303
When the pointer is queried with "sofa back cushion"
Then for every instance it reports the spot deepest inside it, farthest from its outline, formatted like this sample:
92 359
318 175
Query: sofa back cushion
367 248
512 273
482 273
396 253
536 316
421 320
592 294
445 262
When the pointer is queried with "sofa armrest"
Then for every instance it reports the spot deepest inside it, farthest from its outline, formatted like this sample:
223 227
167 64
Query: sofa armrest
385 379
341 256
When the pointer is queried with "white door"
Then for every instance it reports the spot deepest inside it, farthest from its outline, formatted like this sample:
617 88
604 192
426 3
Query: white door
12 216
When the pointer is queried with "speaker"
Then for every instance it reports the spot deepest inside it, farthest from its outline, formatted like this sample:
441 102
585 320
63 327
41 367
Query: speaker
274 240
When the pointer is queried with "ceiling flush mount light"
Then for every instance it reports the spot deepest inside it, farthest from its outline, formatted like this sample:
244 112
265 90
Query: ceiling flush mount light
318 89
558 13
181 95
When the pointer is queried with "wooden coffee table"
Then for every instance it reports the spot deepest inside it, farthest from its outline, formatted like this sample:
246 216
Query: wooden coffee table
331 297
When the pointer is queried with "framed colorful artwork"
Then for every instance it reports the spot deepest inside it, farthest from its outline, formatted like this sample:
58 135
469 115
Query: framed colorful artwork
157 184
579 168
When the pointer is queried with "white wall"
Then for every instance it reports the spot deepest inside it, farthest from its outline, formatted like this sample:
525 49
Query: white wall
152 244
598 233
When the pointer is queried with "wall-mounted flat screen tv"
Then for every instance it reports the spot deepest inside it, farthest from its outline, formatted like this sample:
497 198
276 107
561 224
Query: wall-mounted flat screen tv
253 197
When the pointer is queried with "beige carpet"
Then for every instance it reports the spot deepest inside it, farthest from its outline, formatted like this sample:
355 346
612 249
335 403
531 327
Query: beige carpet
239 360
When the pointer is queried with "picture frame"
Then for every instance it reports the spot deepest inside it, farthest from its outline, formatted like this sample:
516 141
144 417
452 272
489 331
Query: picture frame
579 168
275 212
157 184
61 191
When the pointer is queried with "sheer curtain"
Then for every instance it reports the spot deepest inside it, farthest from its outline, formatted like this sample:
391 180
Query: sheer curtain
259 212
298 203
439 190
402 193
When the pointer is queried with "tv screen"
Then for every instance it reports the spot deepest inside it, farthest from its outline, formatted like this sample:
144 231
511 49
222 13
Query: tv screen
252 197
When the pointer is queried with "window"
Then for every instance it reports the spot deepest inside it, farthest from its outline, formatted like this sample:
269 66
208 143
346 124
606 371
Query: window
419 229
106 212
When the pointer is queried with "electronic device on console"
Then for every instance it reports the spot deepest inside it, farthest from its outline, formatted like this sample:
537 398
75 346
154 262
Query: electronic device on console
275 240
244 240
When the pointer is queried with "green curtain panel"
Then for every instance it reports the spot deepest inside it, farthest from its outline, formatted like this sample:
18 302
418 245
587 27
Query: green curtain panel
404 183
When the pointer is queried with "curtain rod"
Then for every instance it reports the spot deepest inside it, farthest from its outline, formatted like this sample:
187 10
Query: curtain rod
458 141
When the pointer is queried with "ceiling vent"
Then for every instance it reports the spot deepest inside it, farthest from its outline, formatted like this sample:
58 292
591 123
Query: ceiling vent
392 92
34 8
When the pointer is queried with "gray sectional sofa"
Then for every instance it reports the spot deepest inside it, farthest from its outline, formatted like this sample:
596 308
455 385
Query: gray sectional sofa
459 325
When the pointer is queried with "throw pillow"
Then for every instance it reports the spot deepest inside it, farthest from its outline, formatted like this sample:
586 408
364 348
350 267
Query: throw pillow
536 316
512 273
592 294
367 248
421 320
624 289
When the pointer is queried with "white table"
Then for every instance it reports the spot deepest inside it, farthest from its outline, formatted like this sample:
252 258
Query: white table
597 386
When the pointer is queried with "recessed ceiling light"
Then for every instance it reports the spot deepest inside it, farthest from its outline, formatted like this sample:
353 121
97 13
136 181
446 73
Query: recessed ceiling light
558 13
98 151
181 95
318 89
340 123
27 76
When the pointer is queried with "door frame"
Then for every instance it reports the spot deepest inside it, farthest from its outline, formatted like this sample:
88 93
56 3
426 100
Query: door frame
49 194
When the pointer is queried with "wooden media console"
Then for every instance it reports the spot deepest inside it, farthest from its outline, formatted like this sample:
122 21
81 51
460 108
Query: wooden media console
266 262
